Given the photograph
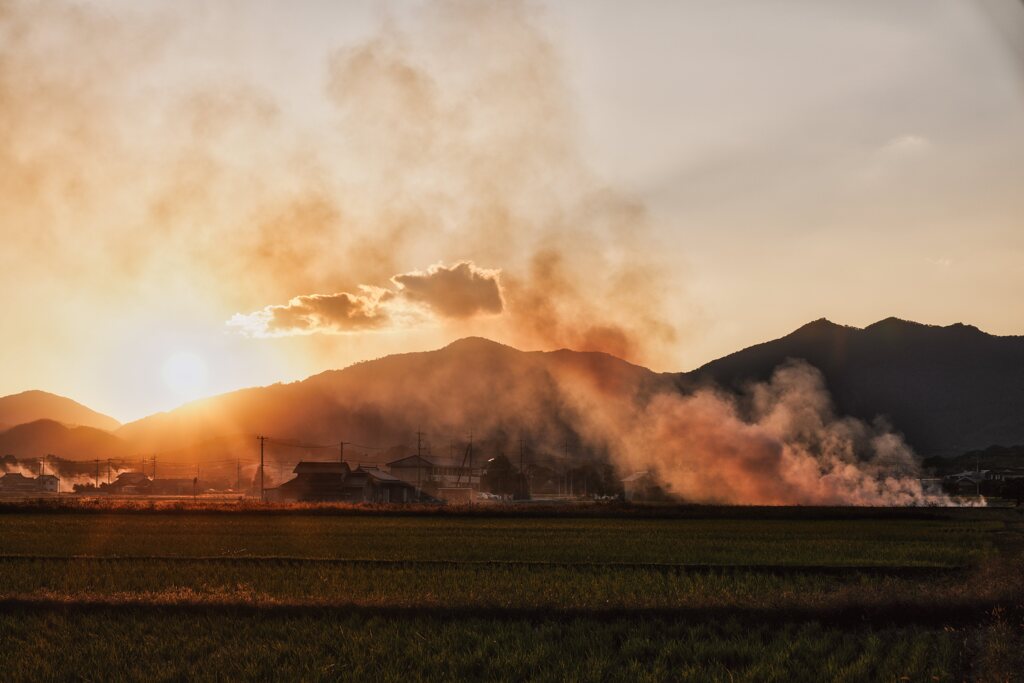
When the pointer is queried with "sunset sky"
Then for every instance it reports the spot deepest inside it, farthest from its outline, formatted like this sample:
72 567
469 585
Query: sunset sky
202 196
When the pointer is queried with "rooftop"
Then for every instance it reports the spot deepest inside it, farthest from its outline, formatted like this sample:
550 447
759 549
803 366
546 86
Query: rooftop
378 474
314 467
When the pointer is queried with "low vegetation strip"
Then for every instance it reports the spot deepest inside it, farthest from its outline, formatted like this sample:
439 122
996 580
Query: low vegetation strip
485 586
211 644
798 542
894 613
906 571
530 510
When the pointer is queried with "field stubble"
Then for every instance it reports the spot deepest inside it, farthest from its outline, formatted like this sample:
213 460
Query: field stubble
319 596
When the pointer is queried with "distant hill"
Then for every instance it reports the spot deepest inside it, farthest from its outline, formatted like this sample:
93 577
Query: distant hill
43 437
948 389
991 458
496 391
30 406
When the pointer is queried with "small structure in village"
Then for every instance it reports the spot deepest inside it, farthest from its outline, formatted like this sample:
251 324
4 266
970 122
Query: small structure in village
337 482
180 486
16 482
129 483
449 479
979 482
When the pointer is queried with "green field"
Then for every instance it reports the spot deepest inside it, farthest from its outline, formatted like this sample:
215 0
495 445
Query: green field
704 596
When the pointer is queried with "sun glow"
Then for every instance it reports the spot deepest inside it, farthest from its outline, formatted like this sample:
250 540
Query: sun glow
184 373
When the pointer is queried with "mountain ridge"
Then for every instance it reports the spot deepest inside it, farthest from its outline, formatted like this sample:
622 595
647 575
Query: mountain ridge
40 438
948 389
458 383
32 405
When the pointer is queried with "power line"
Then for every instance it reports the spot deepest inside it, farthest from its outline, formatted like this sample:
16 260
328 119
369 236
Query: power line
314 446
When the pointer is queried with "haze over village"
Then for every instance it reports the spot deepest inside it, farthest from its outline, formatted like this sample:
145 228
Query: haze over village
235 227
512 340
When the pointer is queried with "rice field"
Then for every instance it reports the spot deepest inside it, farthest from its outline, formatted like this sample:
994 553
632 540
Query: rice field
916 542
191 595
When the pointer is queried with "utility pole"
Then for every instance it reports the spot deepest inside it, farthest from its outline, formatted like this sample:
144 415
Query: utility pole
97 474
53 468
238 474
522 469
154 468
419 466
108 471
263 493
565 461
341 451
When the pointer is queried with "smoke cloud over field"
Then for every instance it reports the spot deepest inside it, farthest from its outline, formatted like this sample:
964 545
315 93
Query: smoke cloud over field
463 134
779 443
71 473
448 137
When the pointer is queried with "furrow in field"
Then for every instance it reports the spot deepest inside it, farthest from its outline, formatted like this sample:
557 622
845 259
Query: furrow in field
894 613
909 571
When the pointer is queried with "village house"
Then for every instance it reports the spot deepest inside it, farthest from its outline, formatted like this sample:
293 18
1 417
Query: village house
1005 482
15 482
181 486
971 483
438 476
337 482
129 483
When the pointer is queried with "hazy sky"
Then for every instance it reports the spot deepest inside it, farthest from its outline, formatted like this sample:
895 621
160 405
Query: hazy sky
200 196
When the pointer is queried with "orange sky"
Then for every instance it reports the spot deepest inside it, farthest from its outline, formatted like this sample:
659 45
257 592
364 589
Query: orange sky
204 196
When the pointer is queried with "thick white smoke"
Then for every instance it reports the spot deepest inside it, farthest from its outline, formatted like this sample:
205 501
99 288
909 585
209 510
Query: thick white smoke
780 443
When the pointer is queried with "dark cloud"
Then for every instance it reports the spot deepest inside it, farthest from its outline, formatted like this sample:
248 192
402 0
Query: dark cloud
461 291
440 293
340 312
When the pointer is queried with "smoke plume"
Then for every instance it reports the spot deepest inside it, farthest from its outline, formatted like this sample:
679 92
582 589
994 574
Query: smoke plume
780 443
448 137
463 140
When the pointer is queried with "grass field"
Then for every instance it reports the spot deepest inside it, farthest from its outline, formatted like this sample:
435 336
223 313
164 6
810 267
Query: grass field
662 596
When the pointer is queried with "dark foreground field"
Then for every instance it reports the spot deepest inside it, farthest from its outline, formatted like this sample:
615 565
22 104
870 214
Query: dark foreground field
663 595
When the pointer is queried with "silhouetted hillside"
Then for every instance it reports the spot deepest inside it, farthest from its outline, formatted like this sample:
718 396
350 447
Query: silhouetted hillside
30 406
42 437
991 458
495 391
948 389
